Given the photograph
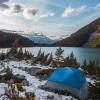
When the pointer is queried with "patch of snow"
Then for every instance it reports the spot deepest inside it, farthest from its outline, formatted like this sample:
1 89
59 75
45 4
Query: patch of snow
90 80
2 88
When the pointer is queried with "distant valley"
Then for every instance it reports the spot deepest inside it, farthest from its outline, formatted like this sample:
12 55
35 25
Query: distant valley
87 36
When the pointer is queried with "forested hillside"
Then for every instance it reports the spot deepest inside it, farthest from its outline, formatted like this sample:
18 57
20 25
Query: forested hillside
7 39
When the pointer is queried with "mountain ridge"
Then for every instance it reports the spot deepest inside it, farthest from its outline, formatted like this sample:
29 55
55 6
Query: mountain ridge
80 37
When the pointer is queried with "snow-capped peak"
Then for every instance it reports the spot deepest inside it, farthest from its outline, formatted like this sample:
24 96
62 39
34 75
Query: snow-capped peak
39 38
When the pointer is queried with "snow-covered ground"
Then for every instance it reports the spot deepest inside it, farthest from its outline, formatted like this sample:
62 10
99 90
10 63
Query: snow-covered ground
34 83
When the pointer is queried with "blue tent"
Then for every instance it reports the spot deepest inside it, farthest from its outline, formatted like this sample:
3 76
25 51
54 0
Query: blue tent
70 76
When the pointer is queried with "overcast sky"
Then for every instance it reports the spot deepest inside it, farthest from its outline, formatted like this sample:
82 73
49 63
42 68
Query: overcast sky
51 17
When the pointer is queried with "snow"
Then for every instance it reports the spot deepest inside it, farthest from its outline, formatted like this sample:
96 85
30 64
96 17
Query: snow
90 80
39 38
23 64
2 88
34 83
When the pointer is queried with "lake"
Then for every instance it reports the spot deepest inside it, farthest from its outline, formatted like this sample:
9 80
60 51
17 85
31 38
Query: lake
80 53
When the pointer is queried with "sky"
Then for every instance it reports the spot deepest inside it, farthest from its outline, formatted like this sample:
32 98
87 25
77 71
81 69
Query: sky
58 18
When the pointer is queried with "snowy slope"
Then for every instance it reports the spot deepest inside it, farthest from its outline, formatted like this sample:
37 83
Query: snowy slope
34 83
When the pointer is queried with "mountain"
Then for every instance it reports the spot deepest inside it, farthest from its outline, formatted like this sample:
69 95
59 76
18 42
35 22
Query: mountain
82 36
39 38
6 40
94 39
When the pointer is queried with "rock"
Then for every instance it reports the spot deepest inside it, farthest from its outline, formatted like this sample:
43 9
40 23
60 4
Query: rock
22 77
25 83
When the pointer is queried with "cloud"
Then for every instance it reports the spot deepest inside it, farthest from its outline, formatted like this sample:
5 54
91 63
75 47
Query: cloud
81 9
13 8
29 13
34 14
4 7
2 1
49 14
98 6
69 11
16 8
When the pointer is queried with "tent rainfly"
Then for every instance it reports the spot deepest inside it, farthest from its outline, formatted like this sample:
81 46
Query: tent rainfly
69 79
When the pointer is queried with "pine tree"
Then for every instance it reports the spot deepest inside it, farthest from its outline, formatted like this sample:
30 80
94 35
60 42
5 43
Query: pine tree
91 67
41 57
39 53
59 55
72 55
44 60
50 59
85 63
84 66
20 53
71 61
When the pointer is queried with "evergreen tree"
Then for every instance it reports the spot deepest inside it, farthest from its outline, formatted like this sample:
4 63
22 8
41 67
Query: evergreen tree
41 57
50 59
91 68
71 61
39 53
20 53
72 55
84 66
59 55
66 61
85 63
45 58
